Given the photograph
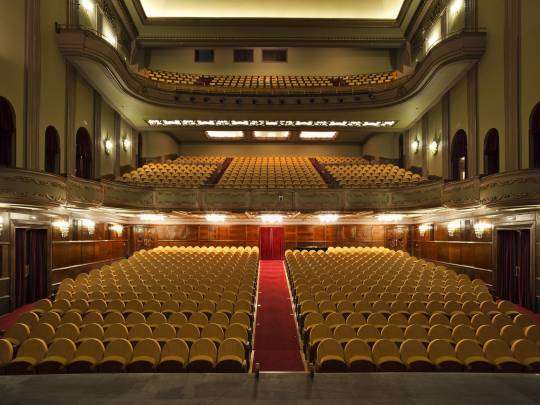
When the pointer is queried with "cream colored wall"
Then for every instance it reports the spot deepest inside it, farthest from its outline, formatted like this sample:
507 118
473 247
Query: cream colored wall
307 61
269 149
455 22
491 102
126 155
382 145
107 131
458 108
156 144
415 132
84 106
12 65
53 77
530 63
435 162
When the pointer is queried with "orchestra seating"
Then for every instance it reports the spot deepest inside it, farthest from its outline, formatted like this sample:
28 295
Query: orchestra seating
368 309
342 160
178 173
269 81
271 172
169 309
369 175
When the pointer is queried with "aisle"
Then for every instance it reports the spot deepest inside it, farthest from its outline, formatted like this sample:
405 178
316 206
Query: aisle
276 338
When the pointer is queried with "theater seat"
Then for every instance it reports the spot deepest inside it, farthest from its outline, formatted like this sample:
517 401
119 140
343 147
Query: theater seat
28 356
498 352
6 353
386 356
58 356
330 357
116 357
146 355
17 334
202 356
231 357
358 356
414 355
471 354
443 355
528 354
174 357
88 355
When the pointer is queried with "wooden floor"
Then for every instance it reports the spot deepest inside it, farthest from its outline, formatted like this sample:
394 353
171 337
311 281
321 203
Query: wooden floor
272 388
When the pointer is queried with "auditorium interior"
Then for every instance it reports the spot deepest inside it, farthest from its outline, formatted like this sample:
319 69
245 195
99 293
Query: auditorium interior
291 201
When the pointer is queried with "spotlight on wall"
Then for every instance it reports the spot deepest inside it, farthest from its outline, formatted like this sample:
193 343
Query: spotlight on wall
152 217
117 228
62 226
108 144
456 7
272 218
87 5
480 228
89 225
434 147
215 218
422 229
126 143
328 218
453 227
390 217
415 145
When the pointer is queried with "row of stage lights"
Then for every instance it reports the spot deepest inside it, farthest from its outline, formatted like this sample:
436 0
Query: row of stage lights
480 228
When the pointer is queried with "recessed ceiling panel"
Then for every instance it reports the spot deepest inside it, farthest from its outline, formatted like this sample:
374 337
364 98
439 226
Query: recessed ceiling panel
354 9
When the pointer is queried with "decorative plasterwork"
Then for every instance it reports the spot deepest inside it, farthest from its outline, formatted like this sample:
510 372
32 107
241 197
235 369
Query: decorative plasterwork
77 43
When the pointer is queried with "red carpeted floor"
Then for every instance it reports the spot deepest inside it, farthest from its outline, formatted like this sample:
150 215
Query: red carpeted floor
11 318
276 338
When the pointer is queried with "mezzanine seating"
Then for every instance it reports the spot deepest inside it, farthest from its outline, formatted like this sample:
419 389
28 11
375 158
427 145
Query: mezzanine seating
367 309
368 175
175 174
169 309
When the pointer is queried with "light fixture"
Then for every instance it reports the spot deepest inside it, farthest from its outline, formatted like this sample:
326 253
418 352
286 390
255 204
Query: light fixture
109 35
126 143
117 228
269 124
272 218
225 134
328 218
87 5
453 227
480 228
108 145
89 225
62 226
415 145
422 229
215 218
152 217
456 7
434 147
1 224
271 134
318 134
390 217
434 36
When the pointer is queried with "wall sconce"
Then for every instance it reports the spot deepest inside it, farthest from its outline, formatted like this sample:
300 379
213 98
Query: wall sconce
108 145
117 228
415 145
422 229
126 143
390 217
456 7
328 218
215 218
152 217
1 225
480 228
272 218
87 5
453 227
434 147
89 225
62 226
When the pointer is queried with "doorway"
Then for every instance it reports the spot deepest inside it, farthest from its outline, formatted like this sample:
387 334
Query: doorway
30 281
271 243
513 277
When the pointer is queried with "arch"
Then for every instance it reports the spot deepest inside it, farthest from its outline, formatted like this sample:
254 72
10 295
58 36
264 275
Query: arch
534 137
52 150
458 156
7 133
83 154
491 152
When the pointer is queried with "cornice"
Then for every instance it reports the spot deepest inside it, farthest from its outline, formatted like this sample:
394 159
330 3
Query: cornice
77 43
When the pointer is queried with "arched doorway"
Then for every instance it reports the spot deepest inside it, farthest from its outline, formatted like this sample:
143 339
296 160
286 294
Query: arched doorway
83 155
491 152
52 150
459 156
534 137
7 133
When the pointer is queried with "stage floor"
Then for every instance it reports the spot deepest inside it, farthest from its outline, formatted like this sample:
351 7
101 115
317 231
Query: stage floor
272 388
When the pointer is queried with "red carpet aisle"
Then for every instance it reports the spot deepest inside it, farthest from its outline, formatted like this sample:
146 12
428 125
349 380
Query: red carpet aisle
9 319
276 339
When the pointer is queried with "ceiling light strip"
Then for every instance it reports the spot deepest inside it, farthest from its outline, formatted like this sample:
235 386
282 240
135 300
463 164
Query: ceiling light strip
270 124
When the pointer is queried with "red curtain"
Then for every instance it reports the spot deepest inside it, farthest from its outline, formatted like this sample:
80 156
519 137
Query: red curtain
271 243
20 268
37 264
524 273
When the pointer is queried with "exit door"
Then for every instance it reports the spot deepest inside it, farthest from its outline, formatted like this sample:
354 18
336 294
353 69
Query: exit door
271 243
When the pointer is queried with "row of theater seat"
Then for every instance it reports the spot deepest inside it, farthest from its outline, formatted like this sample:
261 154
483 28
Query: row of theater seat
269 81
168 294
171 174
377 295
367 175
